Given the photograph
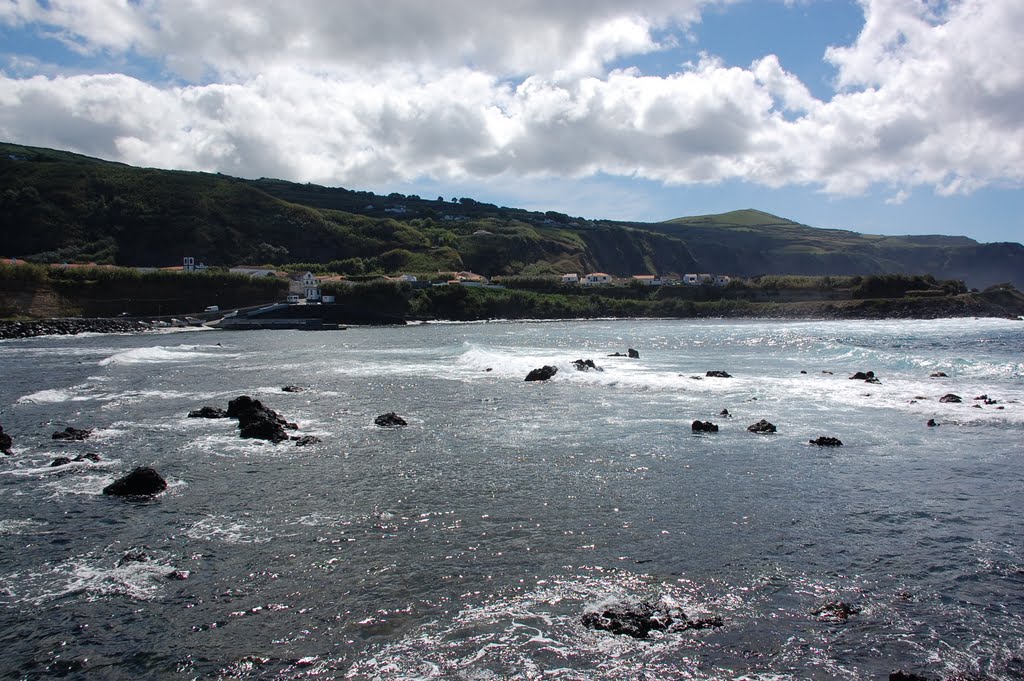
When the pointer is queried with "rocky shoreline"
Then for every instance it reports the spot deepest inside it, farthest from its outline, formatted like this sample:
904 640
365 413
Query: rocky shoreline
68 327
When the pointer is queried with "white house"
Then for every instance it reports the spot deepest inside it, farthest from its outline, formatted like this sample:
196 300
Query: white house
189 264
691 280
595 278
722 280
311 285
571 278
647 279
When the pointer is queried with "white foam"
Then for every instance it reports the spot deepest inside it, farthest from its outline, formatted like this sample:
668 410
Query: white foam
91 577
163 354
229 530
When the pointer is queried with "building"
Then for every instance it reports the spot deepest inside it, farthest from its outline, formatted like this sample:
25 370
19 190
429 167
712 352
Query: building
722 279
311 286
647 279
189 264
571 278
697 279
596 278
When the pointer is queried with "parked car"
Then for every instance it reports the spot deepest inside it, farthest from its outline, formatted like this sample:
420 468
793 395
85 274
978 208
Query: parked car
212 308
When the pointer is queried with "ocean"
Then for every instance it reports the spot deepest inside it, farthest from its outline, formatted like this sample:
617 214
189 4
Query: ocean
470 543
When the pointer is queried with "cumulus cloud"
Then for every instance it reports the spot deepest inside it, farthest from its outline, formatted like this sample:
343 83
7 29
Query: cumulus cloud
362 93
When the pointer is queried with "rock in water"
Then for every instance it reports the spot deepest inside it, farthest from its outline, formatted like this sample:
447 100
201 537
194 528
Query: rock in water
60 461
293 389
143 481
257 421
70 433
703 427
724 412
542 374
306 440
636 621
862 376
632 354
951 398
762 426
718 374
932 423
208 413
389 420
825 441
835 611
5 442
939 374
586 365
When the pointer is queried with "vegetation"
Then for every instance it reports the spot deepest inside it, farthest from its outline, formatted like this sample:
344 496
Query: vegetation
60 207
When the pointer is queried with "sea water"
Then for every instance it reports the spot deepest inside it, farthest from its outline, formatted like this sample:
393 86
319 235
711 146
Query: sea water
469 543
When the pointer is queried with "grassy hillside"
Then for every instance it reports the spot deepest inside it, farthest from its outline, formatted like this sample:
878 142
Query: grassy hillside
57 206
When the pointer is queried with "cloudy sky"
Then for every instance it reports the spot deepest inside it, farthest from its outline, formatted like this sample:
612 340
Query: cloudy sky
883 116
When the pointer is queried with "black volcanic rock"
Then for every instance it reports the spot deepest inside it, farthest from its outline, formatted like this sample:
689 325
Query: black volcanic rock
703 427
257 421
586 365
724 412
950 398
939 374
390 420
826 441
762 426
932 423
293 389
70 433
718 374
542 374
143 481
640 619
60 461
835 611
208 413
632 354
306 440
5 442
863 376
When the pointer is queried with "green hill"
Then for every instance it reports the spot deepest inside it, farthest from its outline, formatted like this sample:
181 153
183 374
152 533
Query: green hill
58 206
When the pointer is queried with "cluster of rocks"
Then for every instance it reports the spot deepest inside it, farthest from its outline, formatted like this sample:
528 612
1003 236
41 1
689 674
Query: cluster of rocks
71 433
718 374
866 376
630 353
639 620
65 327
64 461
390 420
826 441
542 374
586 365
703 427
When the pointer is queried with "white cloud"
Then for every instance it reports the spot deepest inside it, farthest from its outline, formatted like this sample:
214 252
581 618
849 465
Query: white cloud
362 92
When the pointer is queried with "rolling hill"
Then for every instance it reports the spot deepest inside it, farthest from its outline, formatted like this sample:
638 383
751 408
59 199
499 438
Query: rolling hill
59 206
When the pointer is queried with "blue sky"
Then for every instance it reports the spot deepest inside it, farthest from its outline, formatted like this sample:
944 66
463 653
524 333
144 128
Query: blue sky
880 116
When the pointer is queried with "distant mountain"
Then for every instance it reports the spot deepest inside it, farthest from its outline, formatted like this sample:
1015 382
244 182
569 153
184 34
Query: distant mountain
60 206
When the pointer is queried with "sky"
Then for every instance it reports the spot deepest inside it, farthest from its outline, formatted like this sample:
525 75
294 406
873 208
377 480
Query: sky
879 116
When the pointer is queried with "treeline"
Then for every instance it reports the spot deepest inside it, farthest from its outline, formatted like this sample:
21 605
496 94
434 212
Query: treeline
111 291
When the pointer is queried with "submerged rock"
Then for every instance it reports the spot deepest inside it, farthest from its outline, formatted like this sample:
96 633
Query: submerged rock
932 423
293 389
950 398
639 620
718 374
542 374
826 441
143 481
835 611
70 433
762 426
134 556
725 412
862 376
306 440
703 427
586 365
390 420
208 413
60 461
939 374
900 675
179 575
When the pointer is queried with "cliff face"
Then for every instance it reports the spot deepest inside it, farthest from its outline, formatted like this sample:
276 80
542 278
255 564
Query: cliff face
61 207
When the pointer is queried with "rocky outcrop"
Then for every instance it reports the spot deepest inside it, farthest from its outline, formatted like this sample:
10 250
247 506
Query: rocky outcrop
293 389
306 440
70 433
863 376
938 374
632 354
640 619
257 421
703 427
542 374
390 420
932 423
718 374
725 413
826 441
762 426
6 442
143 481
63 460
950 398
208 413
586 365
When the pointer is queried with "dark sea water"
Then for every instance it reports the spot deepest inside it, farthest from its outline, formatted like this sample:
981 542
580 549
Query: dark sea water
469 544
